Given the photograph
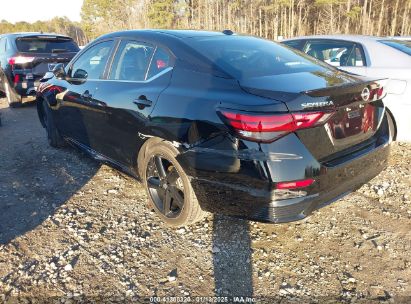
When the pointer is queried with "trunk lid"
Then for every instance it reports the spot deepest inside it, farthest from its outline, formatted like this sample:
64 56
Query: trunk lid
355 102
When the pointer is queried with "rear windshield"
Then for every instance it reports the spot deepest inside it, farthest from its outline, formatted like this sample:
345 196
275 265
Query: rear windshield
46 45
246 57
401 45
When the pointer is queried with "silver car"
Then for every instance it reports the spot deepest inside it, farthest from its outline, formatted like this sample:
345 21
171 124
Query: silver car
373 57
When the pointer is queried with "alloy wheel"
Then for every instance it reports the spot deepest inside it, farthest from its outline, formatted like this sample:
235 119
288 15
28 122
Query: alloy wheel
165 186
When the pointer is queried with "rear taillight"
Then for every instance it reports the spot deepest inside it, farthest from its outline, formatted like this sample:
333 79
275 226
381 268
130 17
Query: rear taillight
20 60
16 78
295 184
267 128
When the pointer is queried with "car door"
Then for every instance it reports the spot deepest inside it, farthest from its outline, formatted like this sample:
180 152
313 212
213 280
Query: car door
138 74
79 112
345 55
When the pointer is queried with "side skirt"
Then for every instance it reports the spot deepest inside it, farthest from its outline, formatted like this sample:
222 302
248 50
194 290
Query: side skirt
102 158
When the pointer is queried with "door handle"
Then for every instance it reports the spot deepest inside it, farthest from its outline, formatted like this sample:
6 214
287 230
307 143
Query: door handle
86 95
142 102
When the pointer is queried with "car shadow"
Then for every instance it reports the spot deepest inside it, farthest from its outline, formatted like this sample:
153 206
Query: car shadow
232 257
31 194
35 179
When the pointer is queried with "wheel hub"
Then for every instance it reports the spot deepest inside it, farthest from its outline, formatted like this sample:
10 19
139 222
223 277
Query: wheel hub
165 186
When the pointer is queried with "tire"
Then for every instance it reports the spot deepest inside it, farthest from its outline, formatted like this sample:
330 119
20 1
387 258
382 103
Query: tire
14 100
53 136
170 194
392 127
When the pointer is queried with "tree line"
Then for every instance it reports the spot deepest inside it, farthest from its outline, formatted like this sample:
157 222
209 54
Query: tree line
266 18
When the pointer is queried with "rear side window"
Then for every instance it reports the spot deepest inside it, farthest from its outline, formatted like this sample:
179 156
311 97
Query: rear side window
46 45
403 46
160 62
336 53
91 64
246 57
131 61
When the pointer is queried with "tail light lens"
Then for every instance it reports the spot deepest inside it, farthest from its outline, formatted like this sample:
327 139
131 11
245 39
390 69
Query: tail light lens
20 60
295 184
267 128
16 78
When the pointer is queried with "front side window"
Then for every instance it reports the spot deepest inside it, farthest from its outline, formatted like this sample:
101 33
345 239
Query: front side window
131 61
91 64
336 53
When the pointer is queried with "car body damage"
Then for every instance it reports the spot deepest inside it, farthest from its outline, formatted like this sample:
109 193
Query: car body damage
251 135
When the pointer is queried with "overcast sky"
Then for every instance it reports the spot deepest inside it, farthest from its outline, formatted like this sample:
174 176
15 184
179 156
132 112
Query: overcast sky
33 10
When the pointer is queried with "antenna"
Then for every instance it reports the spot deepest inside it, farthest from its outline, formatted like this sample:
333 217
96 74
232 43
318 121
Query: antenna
228 32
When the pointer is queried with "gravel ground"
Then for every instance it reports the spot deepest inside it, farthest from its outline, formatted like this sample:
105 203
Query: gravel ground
74 230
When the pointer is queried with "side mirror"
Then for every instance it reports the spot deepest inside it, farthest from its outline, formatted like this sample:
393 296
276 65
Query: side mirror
80 74
59 71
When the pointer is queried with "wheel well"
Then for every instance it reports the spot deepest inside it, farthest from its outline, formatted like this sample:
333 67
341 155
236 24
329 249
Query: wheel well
141 153
394 123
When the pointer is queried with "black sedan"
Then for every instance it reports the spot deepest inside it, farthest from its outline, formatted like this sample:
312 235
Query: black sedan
218 122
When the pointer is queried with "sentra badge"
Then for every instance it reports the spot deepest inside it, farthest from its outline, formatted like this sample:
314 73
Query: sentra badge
318 104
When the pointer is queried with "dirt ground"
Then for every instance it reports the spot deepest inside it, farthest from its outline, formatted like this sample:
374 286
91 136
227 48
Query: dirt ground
74 230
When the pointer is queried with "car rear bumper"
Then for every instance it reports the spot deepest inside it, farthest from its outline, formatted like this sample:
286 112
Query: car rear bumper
27 87
244 191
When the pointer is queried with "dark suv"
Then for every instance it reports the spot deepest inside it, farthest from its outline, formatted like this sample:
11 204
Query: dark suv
26 57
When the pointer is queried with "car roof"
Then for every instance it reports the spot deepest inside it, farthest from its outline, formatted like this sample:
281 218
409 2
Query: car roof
354 38
161 32
36 34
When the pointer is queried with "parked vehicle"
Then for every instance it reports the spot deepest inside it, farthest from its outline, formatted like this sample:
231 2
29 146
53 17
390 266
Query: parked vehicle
26 57
371 57
218 122
406 38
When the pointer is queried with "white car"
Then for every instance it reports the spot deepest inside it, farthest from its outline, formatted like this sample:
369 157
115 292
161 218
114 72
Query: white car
373 57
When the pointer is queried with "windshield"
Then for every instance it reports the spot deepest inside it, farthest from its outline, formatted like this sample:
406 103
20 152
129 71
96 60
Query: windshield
401 45
246 57
49 45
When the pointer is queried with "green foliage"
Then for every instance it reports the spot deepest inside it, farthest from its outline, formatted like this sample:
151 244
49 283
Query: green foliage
161 13
328 2
354 13
102 16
